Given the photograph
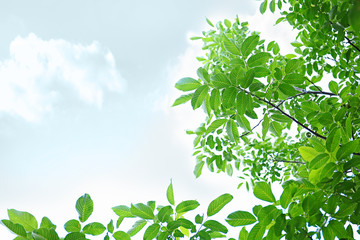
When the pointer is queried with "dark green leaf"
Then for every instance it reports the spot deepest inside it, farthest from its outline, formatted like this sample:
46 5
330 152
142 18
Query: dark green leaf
319 161
152 231
294 78
287 89
84 207
346 149
261 72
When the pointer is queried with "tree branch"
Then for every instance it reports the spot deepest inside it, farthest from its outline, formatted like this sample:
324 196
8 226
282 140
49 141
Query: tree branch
286 114
350 42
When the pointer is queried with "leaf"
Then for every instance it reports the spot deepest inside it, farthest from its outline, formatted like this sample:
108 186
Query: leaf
249 45
236 75
45 234
328 170
258 59
292 65
262 191
72 226
94 228
308 153
263 7
215 226
215 99
276 128
267 214
287 89
199 96
186 206
198 168
220 80
338 228
46 223
353 17
218 203
123 211
333 140
257 232
325 118
230 46
286 197
182 99
229 95
261 72
345 150
232 130
120 235
265 125
84 206
75 236
164 213
240 218
294 78
152 231
243 235
138 225
248 79
334 87
27 220
272 6
209 22
14 227
110 226
242 102
319 161
187 84
203 74
141 210
215 125
170 194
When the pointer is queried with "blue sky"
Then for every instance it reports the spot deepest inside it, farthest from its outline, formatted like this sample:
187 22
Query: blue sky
85 95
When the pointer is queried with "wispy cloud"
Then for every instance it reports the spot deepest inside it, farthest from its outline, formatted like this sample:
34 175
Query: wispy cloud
41 73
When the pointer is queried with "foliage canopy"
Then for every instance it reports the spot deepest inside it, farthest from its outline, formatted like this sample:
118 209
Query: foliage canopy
292 119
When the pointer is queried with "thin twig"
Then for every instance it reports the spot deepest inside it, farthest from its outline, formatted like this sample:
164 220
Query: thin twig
284 113
286 161
350 42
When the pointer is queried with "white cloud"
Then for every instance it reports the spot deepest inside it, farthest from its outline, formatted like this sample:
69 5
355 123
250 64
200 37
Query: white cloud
41 73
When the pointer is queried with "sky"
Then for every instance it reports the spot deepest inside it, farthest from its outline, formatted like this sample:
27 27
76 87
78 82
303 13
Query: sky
85 96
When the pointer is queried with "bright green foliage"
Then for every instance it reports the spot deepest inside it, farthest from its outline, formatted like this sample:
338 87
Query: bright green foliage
292 119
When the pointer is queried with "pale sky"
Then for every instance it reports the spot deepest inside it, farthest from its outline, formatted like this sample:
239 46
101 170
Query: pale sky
85 95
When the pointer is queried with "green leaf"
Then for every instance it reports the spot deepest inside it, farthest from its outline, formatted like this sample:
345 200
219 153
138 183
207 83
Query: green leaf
319 161
46 223
259 59
120 235
236 75
215 99
229 95
272 6
182 99
215 226
72 226
338 228
209 22
292 65
249 45
27 220
141 210
287 89
265 125
187 84
170 194
220 80
308 153
276 128
257 232
215 125
203 74
152 231
243 122
333 140
232 130
186 206
248 79
325 118
242 102
261 72
267 214
123 211
345 150
14 227
84 206
286 197
334 87
75 236
164 213
263 6
198 168
138 225
217 204
94 228
278 74
45 234
240 218
243 235
230 46
328 170
294 78
199 96
262 191
110 226
353 16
